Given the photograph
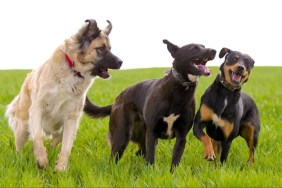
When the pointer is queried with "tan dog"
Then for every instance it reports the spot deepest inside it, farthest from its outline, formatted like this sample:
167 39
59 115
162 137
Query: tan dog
52 97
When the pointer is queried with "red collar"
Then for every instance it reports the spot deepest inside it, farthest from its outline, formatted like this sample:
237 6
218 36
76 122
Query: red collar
71 65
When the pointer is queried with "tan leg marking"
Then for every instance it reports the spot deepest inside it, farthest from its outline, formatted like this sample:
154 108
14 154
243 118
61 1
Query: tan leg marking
217 147
209 152
248 134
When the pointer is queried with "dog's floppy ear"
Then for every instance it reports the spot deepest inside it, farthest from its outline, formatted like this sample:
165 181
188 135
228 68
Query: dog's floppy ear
171 47
107 30
223 52
221 68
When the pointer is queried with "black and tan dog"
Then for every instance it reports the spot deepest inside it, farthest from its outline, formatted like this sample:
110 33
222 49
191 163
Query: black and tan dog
160 108
225 111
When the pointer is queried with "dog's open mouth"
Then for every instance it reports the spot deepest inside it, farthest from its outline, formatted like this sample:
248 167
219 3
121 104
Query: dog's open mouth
235 77
104 73
200 64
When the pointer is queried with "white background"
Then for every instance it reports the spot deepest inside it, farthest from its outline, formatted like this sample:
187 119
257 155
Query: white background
32 29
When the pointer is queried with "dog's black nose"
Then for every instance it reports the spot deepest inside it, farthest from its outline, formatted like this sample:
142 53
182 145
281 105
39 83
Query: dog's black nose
119 62
213 51
240 68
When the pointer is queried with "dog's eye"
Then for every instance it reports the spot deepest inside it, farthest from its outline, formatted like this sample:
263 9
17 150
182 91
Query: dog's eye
101 49
235 59
195 48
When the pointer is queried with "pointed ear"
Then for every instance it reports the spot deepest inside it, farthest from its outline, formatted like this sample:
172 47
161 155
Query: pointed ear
91 28
252 63
108 29
171 48
88 33
223 52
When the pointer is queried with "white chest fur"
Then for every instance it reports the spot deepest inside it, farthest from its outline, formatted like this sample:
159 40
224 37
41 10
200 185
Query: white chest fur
193 78
170 121
60 100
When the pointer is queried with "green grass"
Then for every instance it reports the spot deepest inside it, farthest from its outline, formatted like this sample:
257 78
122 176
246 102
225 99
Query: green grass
90 164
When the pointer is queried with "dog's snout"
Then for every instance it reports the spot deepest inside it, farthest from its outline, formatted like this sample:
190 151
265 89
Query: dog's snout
119 62
240 68
213 51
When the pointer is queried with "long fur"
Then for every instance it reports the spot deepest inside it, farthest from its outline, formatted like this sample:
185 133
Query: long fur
51 99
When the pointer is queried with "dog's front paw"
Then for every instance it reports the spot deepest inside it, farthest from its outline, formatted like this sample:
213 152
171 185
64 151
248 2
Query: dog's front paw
61 164
42 162
60 167
209 154
41 157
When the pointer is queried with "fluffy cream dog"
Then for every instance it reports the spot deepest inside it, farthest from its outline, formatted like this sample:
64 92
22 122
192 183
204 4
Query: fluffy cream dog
52 97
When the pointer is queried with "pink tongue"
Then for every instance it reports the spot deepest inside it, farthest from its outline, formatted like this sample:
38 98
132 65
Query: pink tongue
236 77
204 69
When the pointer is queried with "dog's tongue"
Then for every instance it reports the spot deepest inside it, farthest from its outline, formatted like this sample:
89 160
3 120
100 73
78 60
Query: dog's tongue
236 77
204 70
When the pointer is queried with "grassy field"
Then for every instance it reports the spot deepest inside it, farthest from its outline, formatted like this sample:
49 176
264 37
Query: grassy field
90 164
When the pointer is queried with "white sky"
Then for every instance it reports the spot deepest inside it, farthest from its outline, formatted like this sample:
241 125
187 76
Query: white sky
32 29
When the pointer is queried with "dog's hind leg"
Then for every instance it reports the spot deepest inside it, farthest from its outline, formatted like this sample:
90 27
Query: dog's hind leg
56 138
217 147
251 137
119 134
138 134
21 134
17 114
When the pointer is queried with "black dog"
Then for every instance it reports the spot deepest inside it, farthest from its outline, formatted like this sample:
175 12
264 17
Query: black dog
225 111
160 108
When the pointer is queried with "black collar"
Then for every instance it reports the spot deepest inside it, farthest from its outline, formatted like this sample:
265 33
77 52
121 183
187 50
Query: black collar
184 82
226 84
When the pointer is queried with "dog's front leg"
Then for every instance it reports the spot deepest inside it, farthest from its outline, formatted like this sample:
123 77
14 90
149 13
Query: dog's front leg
69 134
38 137
177 151
150 146
201 135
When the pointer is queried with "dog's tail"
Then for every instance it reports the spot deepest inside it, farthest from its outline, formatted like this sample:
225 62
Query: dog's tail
95 111
11 113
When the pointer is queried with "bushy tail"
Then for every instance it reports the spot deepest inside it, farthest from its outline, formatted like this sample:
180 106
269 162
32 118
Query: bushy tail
11 113
96 111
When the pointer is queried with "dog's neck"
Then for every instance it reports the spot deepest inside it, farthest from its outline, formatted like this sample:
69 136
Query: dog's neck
185 82
71 65
226 84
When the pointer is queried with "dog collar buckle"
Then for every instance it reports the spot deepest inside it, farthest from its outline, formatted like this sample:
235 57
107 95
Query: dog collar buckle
188 84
